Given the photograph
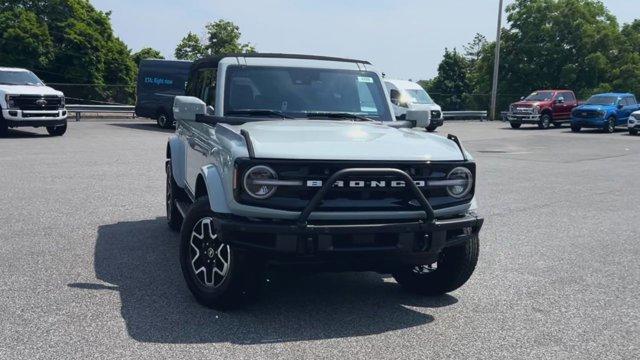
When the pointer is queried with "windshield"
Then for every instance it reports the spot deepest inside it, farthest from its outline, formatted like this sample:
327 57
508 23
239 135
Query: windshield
305 92
19 78
418 96
540 96
602 100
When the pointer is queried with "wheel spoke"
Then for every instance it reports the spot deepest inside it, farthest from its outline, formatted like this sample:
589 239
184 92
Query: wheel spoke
209 257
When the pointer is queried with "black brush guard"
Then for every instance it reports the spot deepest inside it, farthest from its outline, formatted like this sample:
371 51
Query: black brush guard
414 240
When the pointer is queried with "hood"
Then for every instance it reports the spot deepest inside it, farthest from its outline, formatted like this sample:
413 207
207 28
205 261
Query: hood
424 107
526 104
345 140
28 90
595 107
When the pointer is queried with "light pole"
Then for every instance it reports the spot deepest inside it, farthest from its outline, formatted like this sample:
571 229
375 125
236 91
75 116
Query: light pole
496 66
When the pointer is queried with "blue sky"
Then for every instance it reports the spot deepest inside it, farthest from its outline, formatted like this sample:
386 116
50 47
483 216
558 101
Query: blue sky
404 39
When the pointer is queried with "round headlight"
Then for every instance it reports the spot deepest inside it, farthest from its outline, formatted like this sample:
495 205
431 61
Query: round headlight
462 182
258 182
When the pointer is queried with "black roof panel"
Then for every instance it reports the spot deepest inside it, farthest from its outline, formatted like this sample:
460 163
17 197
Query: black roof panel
212 61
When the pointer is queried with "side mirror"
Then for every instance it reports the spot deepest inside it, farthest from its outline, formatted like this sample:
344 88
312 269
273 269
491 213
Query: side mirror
185 108
210 110
560 100
421 118
521 98
620 106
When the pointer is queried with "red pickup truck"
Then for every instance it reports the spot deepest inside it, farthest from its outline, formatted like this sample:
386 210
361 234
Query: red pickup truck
544 108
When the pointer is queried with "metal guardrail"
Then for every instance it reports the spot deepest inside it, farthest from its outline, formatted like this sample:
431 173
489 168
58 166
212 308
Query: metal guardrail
129 109
80 109
450 115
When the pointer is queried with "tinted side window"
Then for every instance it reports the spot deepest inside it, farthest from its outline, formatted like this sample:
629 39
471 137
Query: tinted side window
190 90
395 95
568 97
208 90
631 100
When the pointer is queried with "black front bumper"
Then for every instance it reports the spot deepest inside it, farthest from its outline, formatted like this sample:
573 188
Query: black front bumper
371 245
35 123
436 122
351 244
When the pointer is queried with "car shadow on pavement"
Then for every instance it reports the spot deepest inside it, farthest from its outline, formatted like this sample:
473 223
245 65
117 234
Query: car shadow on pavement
139 259
150 126
595 131
20 134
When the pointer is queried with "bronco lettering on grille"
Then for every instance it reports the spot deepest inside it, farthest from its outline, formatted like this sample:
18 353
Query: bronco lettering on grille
366 184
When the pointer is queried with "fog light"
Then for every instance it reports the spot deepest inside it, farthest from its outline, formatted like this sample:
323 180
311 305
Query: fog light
13 113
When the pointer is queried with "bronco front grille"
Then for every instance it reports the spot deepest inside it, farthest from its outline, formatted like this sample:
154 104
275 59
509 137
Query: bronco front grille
367 198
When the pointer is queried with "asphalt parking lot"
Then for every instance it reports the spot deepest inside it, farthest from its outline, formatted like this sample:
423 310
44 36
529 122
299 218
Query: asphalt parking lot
89 269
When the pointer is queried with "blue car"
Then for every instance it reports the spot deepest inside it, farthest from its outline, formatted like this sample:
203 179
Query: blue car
604 111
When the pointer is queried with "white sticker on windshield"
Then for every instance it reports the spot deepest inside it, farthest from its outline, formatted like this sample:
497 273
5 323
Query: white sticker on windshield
365 79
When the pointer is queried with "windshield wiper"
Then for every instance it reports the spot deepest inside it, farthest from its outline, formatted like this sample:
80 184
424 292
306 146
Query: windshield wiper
339 115
259 112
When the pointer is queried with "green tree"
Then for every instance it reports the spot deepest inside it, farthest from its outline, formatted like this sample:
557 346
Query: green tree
222 37
557 44
24 39
571 44
190 48
67 41
451 86
146 53
474 50
120 74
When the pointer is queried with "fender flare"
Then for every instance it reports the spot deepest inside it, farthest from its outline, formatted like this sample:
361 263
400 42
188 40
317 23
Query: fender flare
215 189
177 155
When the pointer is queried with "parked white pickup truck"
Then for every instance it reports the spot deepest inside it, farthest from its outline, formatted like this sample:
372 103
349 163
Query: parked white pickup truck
26 102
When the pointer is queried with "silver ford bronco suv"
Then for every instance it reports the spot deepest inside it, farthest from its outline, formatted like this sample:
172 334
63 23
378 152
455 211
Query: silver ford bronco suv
296 161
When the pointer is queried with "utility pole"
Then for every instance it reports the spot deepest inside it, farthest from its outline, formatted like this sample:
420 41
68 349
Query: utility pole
496 66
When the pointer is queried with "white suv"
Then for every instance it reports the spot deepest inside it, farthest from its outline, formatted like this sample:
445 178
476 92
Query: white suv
26 102
296 160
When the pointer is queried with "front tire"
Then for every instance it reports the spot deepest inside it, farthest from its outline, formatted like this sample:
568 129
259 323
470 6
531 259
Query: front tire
57 130
633 131
164 121
515 125
217 274
610 126
453 269
545 121
4 127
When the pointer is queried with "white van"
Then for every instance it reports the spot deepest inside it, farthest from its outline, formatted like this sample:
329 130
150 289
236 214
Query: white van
407 95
